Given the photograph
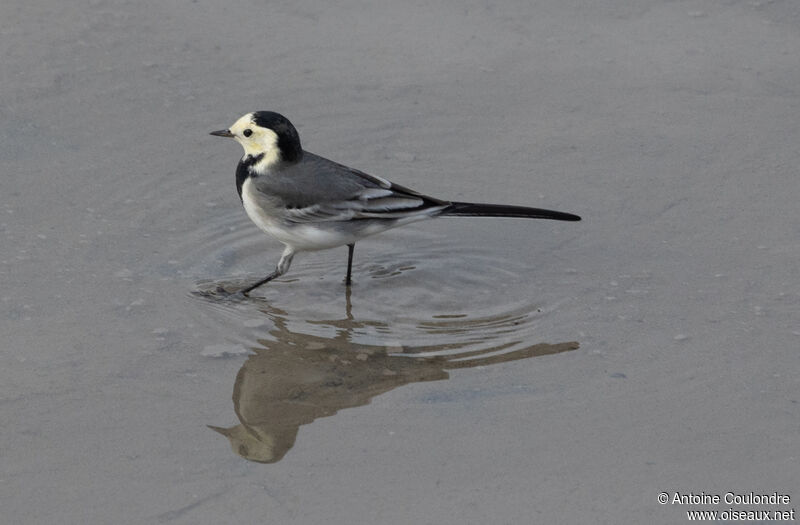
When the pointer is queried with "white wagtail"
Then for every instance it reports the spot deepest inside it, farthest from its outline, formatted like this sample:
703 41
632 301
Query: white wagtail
311 203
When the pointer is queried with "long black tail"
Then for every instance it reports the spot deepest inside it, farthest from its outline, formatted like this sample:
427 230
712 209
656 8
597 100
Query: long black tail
474 209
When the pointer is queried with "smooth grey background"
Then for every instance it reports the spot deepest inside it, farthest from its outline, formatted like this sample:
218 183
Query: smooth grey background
671 126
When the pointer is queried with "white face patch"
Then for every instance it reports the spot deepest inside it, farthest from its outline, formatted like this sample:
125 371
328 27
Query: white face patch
260 141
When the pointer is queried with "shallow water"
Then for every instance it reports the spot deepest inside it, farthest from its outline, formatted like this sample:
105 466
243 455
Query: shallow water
296 375
410 286
414 397
317 346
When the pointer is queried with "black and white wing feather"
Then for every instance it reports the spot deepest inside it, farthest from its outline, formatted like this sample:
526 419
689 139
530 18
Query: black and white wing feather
317 189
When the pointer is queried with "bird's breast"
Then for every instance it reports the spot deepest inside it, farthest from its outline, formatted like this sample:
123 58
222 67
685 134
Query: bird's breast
264 213
268 214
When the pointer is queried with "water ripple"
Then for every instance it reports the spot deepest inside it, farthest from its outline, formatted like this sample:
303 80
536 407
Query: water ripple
421 304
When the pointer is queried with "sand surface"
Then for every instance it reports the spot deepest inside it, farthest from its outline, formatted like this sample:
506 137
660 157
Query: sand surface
479 371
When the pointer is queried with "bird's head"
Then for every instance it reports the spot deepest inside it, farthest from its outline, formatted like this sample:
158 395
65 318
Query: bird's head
267 135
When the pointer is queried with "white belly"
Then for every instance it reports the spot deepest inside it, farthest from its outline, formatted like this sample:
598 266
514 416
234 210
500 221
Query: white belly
305 237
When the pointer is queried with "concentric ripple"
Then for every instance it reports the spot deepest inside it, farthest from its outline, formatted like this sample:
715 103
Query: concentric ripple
413 292
420 306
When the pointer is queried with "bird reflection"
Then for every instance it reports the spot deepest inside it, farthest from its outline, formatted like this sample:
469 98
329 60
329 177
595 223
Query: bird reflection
293 378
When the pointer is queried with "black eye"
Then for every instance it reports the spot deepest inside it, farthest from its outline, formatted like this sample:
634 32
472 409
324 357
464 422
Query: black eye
247 132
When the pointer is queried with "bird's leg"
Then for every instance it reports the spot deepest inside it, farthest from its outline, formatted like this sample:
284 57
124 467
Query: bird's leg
282 268
350 248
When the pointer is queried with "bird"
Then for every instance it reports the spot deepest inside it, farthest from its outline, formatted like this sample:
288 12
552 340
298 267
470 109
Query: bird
308 202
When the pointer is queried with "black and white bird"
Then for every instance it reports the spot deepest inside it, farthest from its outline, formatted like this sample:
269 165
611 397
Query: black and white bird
309 203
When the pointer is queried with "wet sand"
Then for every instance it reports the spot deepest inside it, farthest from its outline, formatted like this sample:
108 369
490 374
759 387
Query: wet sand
478 371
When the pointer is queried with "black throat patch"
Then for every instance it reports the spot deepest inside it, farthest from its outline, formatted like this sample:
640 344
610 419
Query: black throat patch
243 171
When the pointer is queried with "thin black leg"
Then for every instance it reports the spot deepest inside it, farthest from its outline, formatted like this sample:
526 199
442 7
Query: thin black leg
265 280
350 248
282 268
